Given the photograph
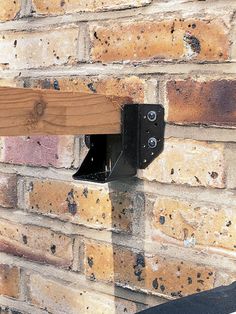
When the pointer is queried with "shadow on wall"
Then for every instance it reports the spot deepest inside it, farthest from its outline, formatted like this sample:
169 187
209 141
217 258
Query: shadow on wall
128 247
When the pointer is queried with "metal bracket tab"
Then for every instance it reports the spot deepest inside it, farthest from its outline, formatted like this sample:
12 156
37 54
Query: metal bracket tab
115 156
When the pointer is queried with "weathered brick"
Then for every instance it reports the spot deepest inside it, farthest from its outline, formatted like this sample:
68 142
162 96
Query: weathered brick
62 298
9 281
9 9
35 243
224 278
8 190
56 151
168 39
208 102
55 7
38 49
82 205
193 224
156 274
189 162
11 82
123 87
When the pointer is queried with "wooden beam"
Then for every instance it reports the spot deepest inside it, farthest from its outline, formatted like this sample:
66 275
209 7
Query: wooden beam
43 112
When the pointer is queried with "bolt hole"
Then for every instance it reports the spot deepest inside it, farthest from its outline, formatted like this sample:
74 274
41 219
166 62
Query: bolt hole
155 124
147 131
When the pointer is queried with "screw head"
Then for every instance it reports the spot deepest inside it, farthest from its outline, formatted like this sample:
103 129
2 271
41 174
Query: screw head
152 142
152 116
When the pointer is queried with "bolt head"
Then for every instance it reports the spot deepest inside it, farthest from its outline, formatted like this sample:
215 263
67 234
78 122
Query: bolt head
152 142
152 116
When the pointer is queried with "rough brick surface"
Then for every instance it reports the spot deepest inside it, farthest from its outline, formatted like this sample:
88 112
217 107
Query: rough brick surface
9 9
8 190
55 7
38 49
157 274
82 205
56 151
35 243
124 87
209 102
9 281
169 39
62 298
193 224
189 162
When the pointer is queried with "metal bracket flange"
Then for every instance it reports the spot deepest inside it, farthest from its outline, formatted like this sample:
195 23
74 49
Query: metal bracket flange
116 156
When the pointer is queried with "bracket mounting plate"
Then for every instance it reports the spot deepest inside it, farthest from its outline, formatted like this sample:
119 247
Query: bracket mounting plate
115 156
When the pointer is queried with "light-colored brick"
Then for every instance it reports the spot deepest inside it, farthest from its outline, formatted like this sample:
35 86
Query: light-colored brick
39 49
11 82
167 276
191 223
188 162
60 298
9 281
94 207
8 190
168 39
9 9
56 7
132 86
208 102
45 151
35 243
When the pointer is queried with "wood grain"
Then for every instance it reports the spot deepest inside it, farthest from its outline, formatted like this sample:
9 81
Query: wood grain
43 112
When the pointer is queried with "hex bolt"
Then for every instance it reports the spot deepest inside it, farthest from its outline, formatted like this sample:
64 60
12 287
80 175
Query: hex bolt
152 116
152 142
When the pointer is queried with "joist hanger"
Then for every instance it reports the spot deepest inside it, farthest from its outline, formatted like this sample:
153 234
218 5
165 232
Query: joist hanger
116 156
123 138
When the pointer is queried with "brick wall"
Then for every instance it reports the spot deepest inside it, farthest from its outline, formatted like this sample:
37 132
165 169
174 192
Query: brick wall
69 247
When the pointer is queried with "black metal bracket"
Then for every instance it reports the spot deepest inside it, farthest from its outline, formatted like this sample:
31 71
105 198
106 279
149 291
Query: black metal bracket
115 156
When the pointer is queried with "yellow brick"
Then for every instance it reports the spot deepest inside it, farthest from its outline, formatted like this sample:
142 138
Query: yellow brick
188 162
38 49
9 9
193 223
168 276
9 281
168 39
79 204
8 190
35 243
55 7
124 87
62 298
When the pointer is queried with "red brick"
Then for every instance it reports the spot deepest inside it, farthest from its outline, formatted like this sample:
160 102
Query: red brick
9 9
189 162
62 298
169 39
93 207
9 281
8 190
191 223
167 276
209 102
35 243
56 151
132 86
56 7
